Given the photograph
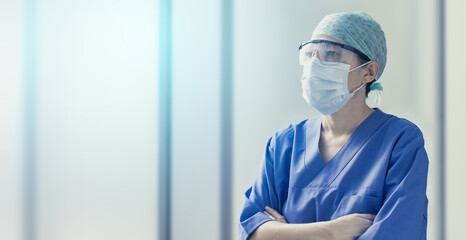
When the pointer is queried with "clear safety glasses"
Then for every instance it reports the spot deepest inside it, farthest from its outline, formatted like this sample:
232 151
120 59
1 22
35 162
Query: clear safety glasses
328 52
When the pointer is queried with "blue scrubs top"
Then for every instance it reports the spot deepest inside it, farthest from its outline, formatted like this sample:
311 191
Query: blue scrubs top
381 170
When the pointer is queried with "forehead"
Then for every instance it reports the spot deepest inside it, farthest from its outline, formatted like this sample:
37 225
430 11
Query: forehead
325 37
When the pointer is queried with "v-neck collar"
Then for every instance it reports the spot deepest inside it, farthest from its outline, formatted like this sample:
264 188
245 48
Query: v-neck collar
321 173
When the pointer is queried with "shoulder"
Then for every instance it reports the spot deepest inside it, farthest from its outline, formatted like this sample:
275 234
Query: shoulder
284 143
403 128
287 135
406 137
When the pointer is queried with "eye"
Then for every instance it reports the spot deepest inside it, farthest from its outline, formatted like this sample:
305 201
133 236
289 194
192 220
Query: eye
332 56
309 53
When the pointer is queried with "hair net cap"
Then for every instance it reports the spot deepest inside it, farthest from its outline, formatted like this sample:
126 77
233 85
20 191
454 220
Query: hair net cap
358 30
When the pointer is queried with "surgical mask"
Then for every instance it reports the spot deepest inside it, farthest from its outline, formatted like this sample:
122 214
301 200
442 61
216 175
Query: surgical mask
325 86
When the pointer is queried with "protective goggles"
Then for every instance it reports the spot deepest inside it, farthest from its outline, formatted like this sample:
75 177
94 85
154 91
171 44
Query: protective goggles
328 52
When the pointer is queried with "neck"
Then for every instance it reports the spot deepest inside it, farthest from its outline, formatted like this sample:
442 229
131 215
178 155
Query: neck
347 119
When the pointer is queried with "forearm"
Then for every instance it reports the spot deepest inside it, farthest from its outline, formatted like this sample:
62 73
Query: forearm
272 230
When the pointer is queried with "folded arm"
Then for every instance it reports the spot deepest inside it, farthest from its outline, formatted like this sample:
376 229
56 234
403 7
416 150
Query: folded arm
274 230
344 228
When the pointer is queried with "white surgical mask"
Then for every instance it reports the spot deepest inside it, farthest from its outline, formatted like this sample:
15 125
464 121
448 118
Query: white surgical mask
325 86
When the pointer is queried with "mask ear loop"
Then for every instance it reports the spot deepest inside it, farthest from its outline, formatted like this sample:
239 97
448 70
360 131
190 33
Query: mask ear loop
355 69
357 89
362 65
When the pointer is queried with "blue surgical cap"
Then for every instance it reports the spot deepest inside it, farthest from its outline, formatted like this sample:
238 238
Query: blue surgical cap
358 30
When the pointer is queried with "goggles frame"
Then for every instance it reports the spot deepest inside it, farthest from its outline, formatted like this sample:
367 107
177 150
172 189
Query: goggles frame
352 49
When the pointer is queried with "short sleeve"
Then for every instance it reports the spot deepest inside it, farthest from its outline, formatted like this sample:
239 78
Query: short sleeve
403 214
262 193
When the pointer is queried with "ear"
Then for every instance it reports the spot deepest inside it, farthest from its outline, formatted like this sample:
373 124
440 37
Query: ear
372 71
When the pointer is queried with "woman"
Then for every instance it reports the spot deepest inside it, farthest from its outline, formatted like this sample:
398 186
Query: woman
353 172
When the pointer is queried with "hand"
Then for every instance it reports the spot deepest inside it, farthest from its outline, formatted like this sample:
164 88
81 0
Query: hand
272 213
351 226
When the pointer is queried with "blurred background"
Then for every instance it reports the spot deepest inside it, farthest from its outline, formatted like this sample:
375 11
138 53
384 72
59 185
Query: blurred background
147 119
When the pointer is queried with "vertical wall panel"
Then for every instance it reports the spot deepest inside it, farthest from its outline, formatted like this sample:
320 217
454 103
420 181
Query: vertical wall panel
226 127
165 115
10 120
196 119
96 120
455 119
425 103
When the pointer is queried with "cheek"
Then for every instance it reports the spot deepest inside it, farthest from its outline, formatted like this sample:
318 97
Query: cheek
353 80
355 62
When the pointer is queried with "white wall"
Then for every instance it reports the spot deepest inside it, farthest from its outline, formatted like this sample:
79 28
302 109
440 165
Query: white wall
267 89
455 119
10 131
196 120
96 123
